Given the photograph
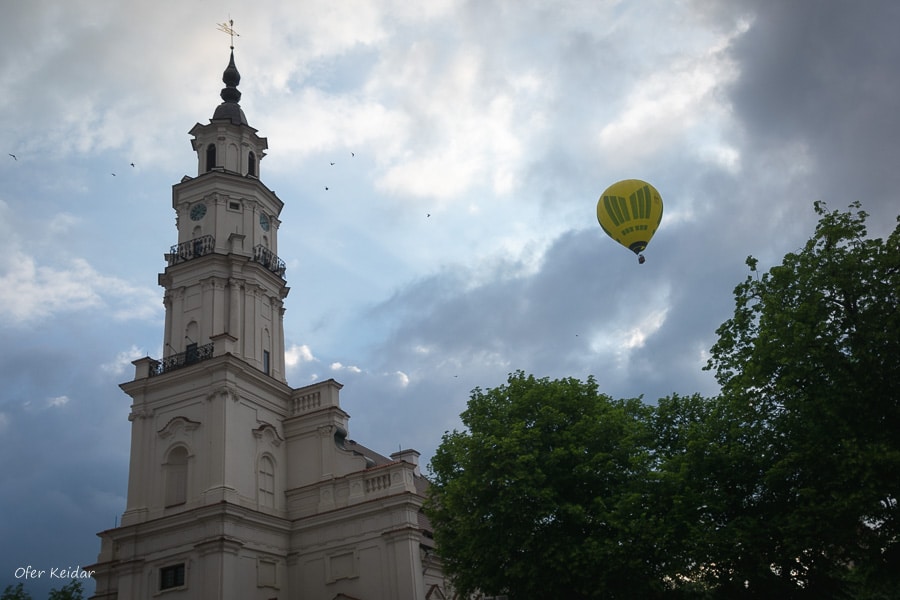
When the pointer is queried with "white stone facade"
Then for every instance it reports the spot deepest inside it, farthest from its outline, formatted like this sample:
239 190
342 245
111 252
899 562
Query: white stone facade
241 487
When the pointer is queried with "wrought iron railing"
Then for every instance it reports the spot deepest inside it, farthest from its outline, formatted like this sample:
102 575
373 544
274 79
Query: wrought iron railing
191 249
269 260
192 355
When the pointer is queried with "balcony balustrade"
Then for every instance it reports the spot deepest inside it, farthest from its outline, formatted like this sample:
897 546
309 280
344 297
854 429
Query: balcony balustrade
206 244
184 251
192 355
269 260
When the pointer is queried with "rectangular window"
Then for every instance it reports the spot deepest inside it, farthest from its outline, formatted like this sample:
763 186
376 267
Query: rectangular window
190 354
234 206
266 362
171 577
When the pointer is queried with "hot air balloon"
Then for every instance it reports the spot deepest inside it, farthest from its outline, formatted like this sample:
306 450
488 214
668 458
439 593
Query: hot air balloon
629 212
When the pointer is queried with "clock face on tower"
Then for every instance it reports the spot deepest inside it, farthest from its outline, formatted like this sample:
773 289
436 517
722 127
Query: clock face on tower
198 211
264 221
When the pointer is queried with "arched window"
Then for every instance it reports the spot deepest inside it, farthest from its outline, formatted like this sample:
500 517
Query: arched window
210 157
176 476
266 482
251 164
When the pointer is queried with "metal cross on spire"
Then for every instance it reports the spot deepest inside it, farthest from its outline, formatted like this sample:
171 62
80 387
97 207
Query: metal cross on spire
229 29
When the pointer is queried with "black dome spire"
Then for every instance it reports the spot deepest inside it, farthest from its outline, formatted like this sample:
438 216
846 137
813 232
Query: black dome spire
230 109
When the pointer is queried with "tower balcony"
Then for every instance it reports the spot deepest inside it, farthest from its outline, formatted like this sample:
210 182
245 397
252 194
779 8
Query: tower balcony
184 251
192 355
206 244
269 260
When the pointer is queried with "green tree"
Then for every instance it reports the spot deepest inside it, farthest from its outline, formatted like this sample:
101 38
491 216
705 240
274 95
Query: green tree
547 494
809 367
15 593
688 434
70 591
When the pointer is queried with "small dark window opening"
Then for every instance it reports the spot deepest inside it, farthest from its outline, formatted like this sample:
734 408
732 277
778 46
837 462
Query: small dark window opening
266 362
251 165
190 354
171 577
210 157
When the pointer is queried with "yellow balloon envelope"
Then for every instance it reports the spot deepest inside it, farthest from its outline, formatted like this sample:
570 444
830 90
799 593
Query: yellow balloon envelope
629 212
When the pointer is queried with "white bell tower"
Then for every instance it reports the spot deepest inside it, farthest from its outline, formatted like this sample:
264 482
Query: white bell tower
224 277
239 486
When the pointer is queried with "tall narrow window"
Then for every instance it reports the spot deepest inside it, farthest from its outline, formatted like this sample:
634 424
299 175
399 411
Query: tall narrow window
210 157
176 476
251 164
266 482
191 354
191 334
266 365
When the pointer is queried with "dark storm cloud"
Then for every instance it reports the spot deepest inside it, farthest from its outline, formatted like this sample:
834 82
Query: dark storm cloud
824 73
576 315
63 450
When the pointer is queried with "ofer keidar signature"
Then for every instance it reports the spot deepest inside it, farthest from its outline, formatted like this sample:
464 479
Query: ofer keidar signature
30 572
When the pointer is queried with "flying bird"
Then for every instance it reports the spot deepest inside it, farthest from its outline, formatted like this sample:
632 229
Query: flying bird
132 164
332 164
352 154
113 174
14 157
326 188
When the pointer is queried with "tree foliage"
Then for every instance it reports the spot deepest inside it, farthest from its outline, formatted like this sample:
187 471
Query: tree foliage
70 591
15 593
785 485
544 495
810 367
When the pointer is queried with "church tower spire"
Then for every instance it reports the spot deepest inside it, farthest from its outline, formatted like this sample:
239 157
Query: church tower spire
231 96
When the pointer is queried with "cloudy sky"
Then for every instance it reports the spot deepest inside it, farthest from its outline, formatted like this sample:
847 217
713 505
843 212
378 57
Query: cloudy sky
457 241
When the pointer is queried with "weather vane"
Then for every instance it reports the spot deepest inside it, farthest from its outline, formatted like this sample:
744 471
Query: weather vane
229 29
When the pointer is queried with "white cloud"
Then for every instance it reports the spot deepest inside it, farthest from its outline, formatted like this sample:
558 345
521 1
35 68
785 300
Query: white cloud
57 401
336 366
47 403
402 378
458 132
62 222
297 354
316 122
122 361
673 102
30 291
637 327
